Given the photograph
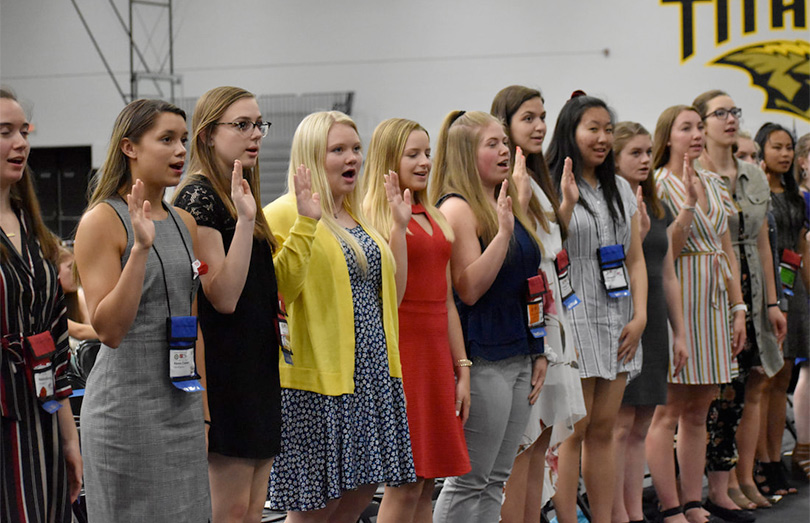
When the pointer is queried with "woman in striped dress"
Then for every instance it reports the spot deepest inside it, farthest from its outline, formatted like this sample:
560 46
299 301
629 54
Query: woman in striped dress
710 287
40 463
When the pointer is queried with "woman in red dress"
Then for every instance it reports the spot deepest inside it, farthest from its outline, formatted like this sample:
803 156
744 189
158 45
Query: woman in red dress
431 344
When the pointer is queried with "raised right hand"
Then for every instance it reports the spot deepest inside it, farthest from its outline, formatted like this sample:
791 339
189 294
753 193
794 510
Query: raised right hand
568 183
688 180
140 214
309 203
506 218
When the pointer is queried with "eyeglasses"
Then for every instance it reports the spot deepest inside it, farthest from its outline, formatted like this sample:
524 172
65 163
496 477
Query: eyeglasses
246 126
722 114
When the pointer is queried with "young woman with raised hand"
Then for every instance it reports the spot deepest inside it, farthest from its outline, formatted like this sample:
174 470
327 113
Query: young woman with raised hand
431 344
712 307
344 424
243 391
40 462
608 273
494 252
738 402
777 157
632 146
560 403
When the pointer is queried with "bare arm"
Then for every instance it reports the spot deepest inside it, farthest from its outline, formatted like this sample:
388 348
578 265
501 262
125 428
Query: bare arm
735 296
672 295
113 294
400 204
458 352
637 271
227 272
473 271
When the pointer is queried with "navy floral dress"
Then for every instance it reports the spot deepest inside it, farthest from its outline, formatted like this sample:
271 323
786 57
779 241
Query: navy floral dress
331 444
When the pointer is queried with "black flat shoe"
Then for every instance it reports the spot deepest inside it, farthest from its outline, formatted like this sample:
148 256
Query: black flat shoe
730 515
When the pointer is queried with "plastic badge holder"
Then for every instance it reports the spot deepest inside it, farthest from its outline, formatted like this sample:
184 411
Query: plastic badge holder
182 338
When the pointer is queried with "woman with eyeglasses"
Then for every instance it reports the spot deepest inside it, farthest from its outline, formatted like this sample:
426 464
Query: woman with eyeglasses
241 344
738 402
712 307
777 157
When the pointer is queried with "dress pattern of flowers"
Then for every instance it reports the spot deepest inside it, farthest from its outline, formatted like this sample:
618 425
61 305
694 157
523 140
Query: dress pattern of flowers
331 444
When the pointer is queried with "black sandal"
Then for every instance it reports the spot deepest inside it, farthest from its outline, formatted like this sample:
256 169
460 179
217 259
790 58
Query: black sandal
674 511
730 515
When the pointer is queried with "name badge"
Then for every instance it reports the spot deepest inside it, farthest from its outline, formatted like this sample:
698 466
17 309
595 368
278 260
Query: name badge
562 264
614 273
40 349
788 267
535 311
283 332
181 334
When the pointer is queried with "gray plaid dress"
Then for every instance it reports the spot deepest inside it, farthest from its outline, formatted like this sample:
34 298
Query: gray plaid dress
143 440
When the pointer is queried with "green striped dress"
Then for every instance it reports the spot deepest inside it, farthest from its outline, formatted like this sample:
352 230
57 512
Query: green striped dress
703 269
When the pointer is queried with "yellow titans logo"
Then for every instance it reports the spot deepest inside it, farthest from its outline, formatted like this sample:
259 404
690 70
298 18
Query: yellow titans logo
781 68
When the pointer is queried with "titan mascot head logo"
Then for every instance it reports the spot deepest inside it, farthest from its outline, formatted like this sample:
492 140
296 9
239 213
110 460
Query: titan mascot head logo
781 68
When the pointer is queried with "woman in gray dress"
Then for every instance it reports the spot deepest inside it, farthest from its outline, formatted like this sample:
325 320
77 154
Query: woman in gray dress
143 435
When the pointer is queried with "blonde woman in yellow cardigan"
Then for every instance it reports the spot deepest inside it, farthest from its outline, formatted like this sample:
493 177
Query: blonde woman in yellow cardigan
344 425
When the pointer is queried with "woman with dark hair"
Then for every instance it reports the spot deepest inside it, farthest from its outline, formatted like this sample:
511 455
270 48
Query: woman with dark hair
560 403
776 156
632 146
738 402
40 463
608 273
710 288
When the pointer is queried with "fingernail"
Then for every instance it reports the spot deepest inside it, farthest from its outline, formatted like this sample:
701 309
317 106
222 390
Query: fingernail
458 413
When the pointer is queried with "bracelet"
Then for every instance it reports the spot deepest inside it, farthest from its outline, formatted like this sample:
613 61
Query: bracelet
739 307
773 304
690 208
207 422
463 363
687 229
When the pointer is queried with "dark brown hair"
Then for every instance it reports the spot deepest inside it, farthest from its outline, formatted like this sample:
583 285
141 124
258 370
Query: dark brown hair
24 197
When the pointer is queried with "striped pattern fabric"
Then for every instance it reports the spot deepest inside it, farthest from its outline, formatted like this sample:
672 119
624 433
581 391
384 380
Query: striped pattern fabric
33 478
598 321
703 270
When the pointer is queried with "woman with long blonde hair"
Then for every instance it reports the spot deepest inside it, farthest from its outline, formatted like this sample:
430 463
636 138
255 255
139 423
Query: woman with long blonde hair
494 254
431 345
344 424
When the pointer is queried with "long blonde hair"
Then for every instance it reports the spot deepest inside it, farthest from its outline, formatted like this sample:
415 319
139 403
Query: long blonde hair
309 149
114 175
203 158
455 170
384 154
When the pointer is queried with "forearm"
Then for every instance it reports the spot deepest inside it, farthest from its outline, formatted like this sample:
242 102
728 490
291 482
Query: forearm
672 295
679 231
399 248
81 331
734 288
224 288
478 276
113 316
567 211
67 425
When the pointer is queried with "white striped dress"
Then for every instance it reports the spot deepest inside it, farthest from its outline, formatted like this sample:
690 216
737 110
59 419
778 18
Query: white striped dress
703 270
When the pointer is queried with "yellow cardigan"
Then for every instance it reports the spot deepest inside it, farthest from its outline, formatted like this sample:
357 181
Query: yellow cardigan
314 282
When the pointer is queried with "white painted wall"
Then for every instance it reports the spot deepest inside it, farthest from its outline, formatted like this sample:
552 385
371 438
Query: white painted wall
417 59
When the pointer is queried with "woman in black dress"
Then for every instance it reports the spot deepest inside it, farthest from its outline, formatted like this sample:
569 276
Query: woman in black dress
242 347
39 447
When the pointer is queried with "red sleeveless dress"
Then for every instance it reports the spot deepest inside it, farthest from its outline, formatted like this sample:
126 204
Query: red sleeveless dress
437 436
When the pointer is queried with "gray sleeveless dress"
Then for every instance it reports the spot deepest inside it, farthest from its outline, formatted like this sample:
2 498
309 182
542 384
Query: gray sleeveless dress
143 440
